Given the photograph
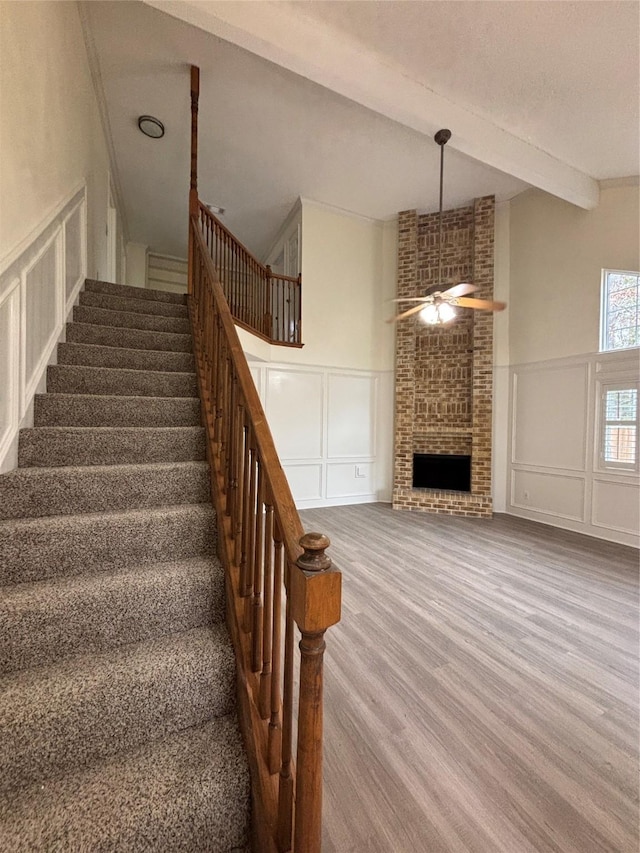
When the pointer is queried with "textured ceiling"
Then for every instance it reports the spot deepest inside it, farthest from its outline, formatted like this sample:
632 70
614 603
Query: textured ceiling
268 135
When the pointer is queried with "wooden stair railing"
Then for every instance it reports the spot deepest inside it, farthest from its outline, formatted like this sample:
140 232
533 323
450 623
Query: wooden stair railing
277 577
261 301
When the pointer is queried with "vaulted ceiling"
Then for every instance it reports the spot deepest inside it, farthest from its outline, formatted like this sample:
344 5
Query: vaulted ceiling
338 102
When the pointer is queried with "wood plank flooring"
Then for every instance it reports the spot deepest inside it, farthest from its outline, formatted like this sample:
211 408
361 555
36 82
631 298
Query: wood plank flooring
482 689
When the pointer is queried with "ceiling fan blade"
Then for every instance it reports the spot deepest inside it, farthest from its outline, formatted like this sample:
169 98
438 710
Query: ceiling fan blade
461 289
410 299
480 304
404 314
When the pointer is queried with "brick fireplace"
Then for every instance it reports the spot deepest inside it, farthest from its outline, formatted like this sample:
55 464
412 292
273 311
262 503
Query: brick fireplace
444 374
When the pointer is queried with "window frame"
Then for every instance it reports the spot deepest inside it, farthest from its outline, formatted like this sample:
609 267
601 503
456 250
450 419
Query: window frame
603 464
604 309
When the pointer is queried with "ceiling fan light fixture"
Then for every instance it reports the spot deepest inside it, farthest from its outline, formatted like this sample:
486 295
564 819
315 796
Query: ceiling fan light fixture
437 314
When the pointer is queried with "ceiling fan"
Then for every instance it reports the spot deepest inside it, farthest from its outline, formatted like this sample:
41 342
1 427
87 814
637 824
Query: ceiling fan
437 306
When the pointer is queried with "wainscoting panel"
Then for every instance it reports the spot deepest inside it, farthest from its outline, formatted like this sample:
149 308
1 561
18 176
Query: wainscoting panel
615 506
551 494
9 363
351 416
295 403
556 473
305 482
350 480
75 261
550 410
41 290
39 283
331 429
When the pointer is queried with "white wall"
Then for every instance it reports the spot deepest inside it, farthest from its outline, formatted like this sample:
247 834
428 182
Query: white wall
137 264
330 404
557 252
51 136
54 180
347 277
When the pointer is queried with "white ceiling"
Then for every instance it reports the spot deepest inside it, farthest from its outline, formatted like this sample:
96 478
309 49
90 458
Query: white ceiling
532 88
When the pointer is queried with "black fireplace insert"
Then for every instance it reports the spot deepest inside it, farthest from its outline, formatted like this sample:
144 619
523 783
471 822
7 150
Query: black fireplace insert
444 471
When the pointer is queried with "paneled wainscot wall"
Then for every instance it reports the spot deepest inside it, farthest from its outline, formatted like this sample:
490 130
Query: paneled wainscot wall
39 283
556 472
332 428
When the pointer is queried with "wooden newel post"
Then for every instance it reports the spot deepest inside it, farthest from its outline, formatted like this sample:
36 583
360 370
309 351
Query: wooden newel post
193 186
315 599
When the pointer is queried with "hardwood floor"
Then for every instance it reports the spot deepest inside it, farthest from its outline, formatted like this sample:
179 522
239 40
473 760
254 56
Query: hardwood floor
482 688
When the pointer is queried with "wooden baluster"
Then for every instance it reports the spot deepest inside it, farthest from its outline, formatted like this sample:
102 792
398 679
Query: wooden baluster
239 503
217 261
275 723
277 309
267 618
256 600
217 375
285 780
233 452
283 311
268 285
255 283
315 590
250 518
246 502
224 403
250 304
234 272
212 345
230 439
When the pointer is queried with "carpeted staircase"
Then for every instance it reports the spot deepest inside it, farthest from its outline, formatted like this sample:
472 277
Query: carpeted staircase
118 729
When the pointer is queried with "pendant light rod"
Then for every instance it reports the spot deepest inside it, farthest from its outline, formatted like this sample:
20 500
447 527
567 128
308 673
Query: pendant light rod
441 137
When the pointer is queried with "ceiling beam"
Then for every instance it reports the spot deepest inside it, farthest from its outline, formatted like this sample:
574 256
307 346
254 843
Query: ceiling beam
287 37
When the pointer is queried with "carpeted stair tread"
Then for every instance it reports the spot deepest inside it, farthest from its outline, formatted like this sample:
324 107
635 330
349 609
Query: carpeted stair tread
90 706
33 549
36 492
118 729
82 379
110 410
127 303
93 355
49 620
187 793
130 320
59 446
128 291
120 336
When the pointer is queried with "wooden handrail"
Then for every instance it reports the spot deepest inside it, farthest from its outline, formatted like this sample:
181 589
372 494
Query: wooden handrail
276 576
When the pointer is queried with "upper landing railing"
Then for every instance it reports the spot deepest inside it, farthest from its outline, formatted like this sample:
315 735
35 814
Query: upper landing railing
277 578
261 301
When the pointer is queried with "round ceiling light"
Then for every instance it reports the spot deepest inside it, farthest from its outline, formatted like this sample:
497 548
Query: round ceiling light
151 126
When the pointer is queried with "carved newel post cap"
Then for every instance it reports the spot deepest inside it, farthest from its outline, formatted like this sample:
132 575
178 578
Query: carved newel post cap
314 559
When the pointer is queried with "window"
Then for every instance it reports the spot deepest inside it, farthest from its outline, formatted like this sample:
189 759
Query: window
620 314
620 428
